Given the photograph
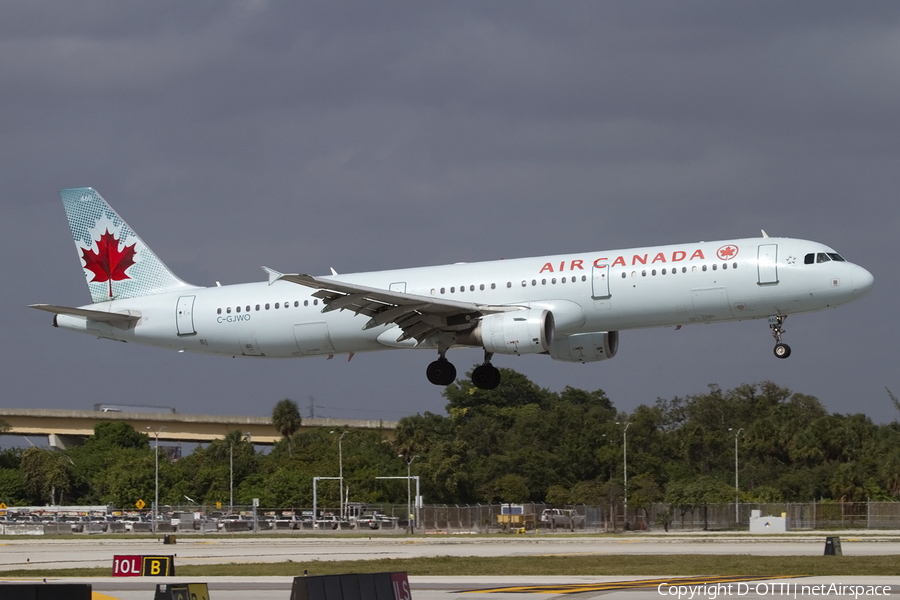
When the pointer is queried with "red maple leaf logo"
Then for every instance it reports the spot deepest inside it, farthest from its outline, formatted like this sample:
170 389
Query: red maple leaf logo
108 263
727 252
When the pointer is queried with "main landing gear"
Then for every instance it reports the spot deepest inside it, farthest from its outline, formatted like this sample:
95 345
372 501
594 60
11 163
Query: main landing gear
484 377
782 350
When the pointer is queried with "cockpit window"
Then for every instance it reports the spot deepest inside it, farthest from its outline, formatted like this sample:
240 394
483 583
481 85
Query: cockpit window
821 257
809 259
836 257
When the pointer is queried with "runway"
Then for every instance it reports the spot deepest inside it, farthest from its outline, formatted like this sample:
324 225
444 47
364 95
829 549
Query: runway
37 553
521 588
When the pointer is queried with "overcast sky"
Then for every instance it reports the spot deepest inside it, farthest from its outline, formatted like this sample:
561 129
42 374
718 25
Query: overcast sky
375 135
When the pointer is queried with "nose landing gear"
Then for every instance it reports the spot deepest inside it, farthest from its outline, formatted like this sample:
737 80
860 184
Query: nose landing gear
781 350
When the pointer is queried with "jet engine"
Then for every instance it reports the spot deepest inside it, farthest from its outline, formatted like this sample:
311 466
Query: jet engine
585 347
519 332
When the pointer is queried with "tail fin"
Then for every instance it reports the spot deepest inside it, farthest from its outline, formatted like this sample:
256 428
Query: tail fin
117 263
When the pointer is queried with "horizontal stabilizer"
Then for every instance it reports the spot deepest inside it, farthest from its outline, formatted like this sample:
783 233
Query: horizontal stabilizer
121 320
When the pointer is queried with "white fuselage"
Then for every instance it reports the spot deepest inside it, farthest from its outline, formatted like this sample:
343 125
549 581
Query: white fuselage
612 290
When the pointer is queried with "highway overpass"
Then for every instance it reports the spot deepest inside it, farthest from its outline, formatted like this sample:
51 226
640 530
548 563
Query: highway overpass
68 427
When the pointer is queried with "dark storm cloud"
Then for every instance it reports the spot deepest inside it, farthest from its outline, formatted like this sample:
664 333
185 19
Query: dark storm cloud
378 135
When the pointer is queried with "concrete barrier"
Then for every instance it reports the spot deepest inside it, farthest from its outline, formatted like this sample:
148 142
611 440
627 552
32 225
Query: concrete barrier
24 529
57 529
142 527
116 527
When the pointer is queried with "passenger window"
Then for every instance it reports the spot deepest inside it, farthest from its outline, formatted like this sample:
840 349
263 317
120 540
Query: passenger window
509 284
228 310
524 283
704 268
534 282
584 277
714 266
543 282
267 306
296 304
663 271
653 272
643 273
481 287
276 305
443 290
493 286
315 303
218 311
809 259
563 279
238 309
453 289
633 274
553 281
734 265
684 269
257 308
624 274
472 288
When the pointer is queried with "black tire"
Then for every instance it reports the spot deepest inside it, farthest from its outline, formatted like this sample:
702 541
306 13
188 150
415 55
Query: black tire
782 350
441 372
486 377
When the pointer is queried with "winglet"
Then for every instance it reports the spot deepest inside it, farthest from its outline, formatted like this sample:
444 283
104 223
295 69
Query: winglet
765 235
273 275
333 272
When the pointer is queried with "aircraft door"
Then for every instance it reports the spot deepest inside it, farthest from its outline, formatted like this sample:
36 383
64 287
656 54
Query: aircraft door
767 264
184 316
313 338
600 288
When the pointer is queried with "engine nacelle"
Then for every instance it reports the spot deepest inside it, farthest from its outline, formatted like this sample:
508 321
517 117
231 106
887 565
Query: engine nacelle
519 332
586 347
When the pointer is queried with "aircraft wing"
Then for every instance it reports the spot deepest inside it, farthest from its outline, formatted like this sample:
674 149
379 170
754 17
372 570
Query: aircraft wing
418 316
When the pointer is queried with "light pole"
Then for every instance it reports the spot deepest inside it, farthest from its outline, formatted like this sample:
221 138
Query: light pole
341 475
625 467
737 514
408 492
156 477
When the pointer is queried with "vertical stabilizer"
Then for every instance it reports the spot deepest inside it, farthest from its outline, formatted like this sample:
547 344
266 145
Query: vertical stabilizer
117 263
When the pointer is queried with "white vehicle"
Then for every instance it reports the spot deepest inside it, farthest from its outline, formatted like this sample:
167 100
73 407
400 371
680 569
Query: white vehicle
570 307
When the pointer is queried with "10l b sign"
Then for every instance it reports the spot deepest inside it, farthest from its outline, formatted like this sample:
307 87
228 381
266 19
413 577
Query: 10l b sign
143 566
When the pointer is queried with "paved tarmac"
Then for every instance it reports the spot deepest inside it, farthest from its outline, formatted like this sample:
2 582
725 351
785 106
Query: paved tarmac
523 588
36 553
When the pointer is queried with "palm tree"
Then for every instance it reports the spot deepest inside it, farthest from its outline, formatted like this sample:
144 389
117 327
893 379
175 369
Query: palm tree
286 419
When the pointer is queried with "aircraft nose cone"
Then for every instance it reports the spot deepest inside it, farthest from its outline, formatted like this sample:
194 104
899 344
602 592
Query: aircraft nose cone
862 282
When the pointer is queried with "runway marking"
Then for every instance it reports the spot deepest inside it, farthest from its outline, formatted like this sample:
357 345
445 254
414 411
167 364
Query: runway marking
575 588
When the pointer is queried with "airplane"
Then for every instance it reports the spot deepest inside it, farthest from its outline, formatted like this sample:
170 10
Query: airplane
570 307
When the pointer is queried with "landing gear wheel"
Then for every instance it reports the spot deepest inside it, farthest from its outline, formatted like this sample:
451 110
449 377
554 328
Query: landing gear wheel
486 377
441 372
782 350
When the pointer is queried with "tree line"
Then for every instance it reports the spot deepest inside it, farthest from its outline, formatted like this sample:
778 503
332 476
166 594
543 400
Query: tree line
516 443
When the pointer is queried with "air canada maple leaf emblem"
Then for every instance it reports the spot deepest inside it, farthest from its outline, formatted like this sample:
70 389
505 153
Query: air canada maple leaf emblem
108 263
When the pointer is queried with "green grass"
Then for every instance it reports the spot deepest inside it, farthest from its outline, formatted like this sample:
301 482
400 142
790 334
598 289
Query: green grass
605 565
